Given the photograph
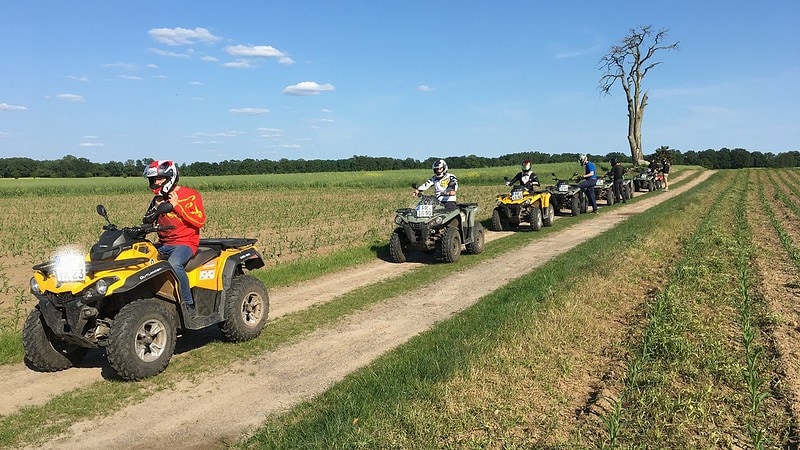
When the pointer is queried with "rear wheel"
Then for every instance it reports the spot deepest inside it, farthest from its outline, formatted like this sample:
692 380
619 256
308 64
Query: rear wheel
44 350
448 247
246 309
548 215
584 202
476 246
398 246
142 339
536 218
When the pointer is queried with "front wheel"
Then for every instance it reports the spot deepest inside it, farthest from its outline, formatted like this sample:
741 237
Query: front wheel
476 246
536 218
609 197
246 309
44 350
498 224
575 206
448 247
398 246
142 339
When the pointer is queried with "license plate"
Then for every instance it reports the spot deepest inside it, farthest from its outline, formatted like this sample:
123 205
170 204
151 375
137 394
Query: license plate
424 210
70 268
563 188
516 195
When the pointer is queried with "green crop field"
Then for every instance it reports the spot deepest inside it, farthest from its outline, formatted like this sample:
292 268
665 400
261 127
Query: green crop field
674 329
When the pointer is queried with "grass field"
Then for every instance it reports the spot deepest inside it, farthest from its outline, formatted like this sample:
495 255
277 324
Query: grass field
679 340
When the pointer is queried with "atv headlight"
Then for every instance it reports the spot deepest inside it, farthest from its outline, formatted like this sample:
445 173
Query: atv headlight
100 287
436 221
398 220
35 286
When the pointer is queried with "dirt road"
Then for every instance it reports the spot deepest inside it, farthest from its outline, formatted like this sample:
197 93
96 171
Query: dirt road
223 407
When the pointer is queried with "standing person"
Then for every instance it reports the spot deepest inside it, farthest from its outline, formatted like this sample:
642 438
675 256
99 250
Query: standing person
617 172
589 180
444 185
179 243
665 172
525 177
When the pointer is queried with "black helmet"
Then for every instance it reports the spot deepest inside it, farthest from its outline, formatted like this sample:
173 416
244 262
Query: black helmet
439 168
614 161
162 169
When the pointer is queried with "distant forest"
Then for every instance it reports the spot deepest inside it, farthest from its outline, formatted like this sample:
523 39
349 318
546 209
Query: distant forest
74 167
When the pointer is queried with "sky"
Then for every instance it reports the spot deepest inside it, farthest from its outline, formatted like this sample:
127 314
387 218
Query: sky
211 80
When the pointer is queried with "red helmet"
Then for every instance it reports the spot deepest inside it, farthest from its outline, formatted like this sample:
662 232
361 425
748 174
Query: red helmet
162 169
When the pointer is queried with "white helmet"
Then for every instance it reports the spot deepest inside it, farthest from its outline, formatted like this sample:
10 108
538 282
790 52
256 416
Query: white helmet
583 158
439 168
162 169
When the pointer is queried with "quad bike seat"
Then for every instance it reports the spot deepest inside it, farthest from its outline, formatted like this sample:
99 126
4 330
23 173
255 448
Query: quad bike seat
212 247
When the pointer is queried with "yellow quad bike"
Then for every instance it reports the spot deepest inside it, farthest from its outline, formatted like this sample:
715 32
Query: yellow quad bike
123 296
523 204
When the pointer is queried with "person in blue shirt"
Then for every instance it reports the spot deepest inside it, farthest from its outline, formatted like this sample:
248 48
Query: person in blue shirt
589 180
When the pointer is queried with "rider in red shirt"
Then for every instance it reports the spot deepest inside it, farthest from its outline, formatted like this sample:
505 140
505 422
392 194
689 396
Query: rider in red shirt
180 241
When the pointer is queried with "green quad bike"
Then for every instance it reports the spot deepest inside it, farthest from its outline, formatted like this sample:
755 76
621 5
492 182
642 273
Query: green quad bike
431 227
604 190
567 195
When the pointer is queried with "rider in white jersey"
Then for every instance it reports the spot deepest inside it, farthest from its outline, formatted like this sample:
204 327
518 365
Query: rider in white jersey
444 185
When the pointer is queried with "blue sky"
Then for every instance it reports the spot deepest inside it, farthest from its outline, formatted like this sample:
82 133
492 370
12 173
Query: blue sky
212 81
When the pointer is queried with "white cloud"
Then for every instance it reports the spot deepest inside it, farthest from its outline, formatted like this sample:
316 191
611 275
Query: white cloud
424 88
129 77
151 66
7 107
4 134
208 58
90 137
91 144
249 111
269 132
121 65
83 78
239 64
308 88
182 36
160 77
168 54
259 51
70 97
195 83
232 133
265 51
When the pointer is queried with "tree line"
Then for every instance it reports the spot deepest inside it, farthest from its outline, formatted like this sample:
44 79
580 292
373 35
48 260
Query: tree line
74 167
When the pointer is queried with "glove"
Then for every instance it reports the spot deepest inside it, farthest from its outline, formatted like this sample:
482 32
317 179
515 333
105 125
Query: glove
150 216
508 184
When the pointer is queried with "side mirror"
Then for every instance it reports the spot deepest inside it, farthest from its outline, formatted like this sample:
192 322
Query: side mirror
505 178
414 185
103 213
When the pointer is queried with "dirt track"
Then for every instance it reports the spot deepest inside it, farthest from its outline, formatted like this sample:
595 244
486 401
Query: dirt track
189 416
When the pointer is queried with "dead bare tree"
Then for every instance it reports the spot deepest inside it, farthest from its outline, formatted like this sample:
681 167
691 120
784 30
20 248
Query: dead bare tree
629 62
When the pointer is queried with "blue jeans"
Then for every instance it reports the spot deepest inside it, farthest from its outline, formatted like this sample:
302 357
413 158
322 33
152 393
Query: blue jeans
587 186
178 256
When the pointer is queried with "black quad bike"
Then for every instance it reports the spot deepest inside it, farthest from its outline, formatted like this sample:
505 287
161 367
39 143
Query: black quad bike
567 195
124 297
432 227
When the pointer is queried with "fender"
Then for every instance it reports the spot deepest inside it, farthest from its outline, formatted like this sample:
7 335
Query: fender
157 270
